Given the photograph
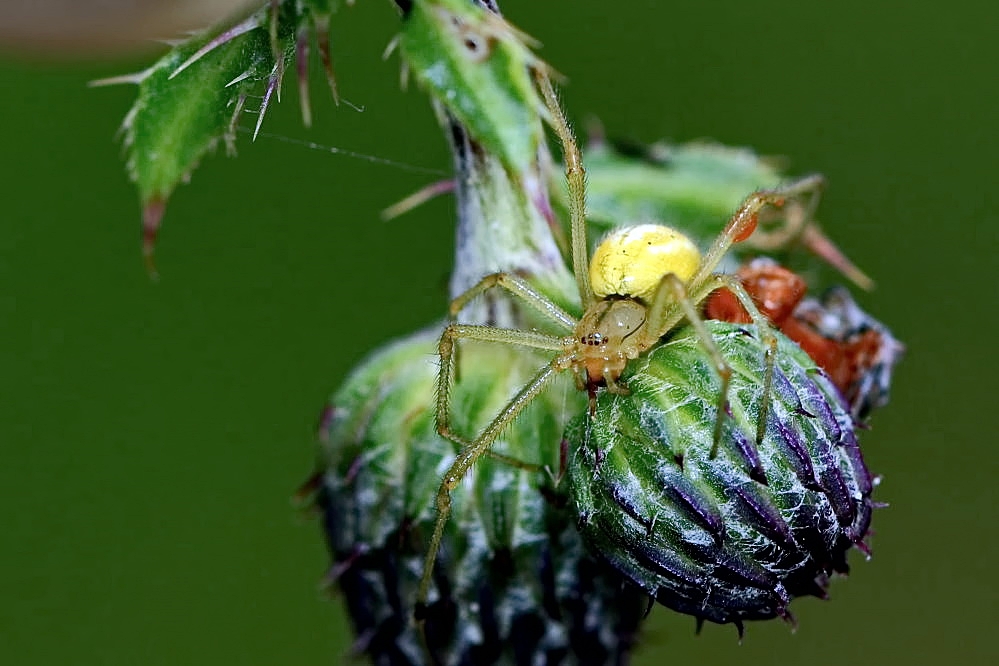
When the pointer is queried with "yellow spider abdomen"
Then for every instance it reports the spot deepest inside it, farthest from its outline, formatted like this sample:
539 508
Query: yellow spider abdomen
632 261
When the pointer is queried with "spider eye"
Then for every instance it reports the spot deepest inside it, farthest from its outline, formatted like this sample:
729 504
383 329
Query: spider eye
592 339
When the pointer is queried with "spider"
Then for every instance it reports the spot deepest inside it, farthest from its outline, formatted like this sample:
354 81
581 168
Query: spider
641 282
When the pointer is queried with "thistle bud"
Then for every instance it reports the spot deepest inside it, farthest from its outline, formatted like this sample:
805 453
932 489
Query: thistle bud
513 582
738 535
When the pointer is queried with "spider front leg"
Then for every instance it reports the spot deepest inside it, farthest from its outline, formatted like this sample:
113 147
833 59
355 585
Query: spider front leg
472 450
518 288
767 337
447 350
575 178
796 218
799 225
672 290
521 290
743 223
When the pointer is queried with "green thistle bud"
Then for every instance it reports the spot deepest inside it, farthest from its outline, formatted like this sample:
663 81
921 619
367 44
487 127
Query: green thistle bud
513 582
736 536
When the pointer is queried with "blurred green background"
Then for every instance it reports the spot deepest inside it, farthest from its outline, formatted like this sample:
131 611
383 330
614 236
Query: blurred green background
152 433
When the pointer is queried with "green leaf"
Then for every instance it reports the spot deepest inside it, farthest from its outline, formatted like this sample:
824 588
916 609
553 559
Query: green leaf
195 95
480 74
692 186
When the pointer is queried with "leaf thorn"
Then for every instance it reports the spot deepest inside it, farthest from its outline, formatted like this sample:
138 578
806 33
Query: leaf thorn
232 33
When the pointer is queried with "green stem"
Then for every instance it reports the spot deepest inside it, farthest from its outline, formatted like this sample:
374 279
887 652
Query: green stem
501 228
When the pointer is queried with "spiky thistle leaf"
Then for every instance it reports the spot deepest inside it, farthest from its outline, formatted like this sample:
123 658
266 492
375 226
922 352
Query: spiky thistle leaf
194 97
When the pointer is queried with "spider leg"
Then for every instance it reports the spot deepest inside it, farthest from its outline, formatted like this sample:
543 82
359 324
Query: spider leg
767 337
813 185
796 218
743 222
447 349
799 224
518 463
471 451
671 290
575 176
664 313
519 288
446 379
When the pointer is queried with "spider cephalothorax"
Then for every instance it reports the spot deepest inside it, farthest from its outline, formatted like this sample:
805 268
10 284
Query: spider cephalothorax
626 270
607 337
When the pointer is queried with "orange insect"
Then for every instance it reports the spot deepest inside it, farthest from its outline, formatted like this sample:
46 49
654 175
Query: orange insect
855 350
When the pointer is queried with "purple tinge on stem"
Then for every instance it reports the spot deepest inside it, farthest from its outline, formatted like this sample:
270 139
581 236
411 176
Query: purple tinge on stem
537 191
152 216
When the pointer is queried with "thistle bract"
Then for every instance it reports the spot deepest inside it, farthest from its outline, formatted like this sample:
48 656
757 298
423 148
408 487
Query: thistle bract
736 536
513 582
